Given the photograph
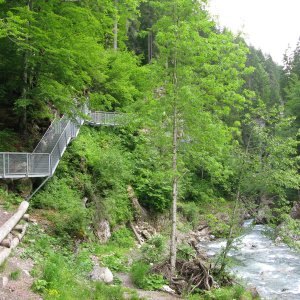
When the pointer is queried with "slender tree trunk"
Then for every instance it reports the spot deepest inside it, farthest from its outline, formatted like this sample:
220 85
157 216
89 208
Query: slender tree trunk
150 46
230 237
23 123
173 245
115 30
232 225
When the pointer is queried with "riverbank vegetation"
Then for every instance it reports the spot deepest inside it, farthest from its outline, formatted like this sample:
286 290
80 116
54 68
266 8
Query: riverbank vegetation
210 138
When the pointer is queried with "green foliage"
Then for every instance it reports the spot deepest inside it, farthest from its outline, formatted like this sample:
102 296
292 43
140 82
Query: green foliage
116 262
9 200
289 231
218 226
8 139
114 254
60 273
39 285
69 216
142 278
154 250
61 280
227 293
185 252
191 211
123 238
111 169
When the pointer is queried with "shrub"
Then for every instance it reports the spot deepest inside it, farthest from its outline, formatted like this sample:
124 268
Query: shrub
122 237
228 293
139 272
142 278
154 250
185 252
8 139
190 211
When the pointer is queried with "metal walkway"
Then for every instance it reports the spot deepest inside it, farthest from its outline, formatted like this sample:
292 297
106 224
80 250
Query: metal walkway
42 162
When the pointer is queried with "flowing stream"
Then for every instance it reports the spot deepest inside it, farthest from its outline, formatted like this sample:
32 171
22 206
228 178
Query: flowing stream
274 269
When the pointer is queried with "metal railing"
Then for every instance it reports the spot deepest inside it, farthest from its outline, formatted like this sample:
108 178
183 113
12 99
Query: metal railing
104 118
20 164
44 159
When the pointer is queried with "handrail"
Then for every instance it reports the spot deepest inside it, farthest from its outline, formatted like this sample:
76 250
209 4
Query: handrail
60 137
43 164
48 129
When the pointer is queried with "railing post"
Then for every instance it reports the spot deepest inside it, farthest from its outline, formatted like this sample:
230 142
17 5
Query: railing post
8 163
50 168
4 165
66 138
27 164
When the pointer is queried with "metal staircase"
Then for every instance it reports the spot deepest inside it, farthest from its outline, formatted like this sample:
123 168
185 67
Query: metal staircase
43 161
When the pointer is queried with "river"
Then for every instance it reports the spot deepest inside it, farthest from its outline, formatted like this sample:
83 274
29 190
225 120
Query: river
274 269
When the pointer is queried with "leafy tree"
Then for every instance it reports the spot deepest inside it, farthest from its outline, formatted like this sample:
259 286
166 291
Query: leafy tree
193 91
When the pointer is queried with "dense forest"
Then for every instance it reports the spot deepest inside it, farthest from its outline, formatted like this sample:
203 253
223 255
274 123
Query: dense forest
211 135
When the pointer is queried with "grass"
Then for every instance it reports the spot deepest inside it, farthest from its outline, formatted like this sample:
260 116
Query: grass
3 266
15 275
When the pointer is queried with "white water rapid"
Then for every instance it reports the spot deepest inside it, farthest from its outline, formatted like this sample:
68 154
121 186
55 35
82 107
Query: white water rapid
274 269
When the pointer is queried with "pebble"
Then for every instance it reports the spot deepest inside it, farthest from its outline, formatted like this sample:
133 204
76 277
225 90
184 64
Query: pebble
3 281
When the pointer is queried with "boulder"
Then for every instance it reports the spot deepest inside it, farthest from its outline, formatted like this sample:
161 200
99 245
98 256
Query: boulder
102 274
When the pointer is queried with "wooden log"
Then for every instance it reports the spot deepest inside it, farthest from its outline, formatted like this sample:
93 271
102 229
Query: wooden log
7 227
21 234
18 228
139 212
138 237
7 241
5 252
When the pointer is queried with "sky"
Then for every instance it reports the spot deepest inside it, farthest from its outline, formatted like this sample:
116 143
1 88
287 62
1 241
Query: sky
271 25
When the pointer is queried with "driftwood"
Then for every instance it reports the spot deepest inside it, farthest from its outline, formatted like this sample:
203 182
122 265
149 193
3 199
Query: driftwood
8 226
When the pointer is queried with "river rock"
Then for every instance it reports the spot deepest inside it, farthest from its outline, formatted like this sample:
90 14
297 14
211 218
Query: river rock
167 289
253 291
3 281
102 274
103 231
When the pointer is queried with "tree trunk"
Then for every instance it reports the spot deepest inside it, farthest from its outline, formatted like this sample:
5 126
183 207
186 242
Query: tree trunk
230 238
150 46
174 196
173 246
23 122
115 30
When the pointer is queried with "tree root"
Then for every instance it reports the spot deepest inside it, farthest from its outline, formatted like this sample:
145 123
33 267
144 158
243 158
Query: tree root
191 275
